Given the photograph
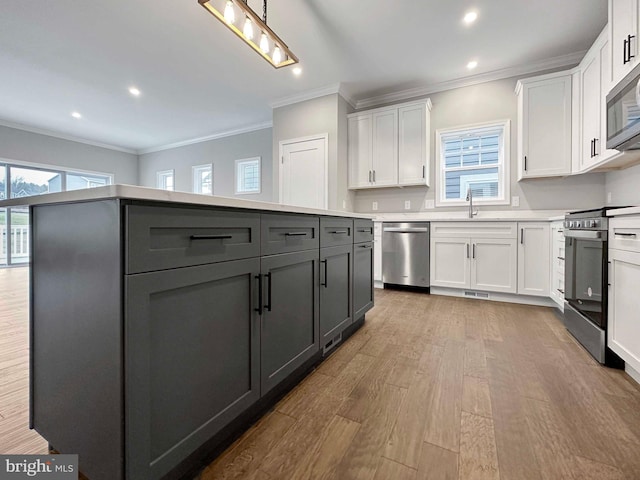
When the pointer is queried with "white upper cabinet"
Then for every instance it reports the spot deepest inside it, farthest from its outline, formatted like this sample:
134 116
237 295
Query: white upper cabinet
623 37
389 146
544 126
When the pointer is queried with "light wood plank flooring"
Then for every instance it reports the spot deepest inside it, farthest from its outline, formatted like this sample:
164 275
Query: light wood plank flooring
430 388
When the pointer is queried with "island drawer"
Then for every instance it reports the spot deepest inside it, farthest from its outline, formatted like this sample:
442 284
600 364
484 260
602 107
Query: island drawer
160 238
335 231
289 233
363 230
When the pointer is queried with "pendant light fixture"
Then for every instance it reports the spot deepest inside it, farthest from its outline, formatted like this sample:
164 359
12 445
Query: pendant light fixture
238 17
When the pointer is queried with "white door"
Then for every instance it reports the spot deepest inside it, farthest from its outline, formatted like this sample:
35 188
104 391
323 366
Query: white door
450 259
303 177
494 265
534 251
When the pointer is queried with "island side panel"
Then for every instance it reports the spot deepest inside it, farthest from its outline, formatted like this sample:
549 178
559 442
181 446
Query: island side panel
76 332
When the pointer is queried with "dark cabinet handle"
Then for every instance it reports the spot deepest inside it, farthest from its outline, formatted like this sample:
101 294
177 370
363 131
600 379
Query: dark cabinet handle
364 230
210 237
522 236
259 309
595 142
374 176
560 258
424 171
525 163
366 246
295 234
561 291
624 234
339 232
325 274
369 176
624 51
467 250
473 255
268 305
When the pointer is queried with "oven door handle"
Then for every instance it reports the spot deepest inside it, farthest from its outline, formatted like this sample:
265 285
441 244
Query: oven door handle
586 235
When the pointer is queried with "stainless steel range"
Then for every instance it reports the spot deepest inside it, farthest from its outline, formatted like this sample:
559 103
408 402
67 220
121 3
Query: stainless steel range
586 282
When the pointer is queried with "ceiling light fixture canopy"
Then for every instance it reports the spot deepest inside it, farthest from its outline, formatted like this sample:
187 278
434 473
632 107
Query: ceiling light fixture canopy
270 47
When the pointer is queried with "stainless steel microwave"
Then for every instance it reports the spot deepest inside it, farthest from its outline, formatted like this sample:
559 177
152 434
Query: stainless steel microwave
623 113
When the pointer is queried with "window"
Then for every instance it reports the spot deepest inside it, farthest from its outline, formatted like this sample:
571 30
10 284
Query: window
78 181
165 180
248 175
203 179
473 158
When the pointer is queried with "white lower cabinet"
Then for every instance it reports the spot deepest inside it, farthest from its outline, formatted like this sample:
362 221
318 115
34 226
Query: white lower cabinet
377 254
533 258
557 263
624 301
479 257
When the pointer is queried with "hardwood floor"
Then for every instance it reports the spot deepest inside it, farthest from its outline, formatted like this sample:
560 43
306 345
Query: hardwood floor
430 388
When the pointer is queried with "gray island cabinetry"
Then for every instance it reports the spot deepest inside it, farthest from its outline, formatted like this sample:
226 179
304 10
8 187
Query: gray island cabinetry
160 330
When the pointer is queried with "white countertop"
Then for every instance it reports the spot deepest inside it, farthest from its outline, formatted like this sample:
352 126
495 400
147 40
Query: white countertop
483 216
624 211
153 194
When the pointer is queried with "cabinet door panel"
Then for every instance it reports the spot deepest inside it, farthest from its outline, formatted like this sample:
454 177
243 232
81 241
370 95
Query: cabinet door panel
450 259
533 259
290 317
362 279
494 265
623 18
385 148
192 359
360 150
591 102
335 290
412 145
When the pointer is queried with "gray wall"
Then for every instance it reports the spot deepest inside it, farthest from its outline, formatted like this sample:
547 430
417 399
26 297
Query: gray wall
312 117
624 186
45 150
223 153
483 103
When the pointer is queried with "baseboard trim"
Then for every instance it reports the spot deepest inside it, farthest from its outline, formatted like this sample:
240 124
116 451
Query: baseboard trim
634 374
496 296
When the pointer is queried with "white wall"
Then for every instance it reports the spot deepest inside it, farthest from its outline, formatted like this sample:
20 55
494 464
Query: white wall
624 186
41 149
483 103
223 153
315 117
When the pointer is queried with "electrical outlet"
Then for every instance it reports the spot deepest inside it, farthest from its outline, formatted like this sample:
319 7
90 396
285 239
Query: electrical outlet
609 197
515 201
429 204
407 204
374 206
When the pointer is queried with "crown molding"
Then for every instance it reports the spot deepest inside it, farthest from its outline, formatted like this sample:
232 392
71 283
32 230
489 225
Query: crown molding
308 95
555 62
215 136
63 136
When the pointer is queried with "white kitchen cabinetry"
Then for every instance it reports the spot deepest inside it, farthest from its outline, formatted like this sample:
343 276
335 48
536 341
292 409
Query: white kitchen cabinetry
624 278
533 259
474 256
623 37
389 146
377 254
544 126
557 263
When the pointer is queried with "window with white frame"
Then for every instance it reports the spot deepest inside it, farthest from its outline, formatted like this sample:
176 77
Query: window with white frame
473 158
248 175
203 179
166 180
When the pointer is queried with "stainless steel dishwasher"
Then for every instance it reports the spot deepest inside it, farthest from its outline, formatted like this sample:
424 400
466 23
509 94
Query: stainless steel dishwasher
405 254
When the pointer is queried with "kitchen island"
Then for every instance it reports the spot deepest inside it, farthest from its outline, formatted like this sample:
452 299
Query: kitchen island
162 323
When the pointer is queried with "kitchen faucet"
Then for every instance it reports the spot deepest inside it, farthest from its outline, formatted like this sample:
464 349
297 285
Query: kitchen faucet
470 200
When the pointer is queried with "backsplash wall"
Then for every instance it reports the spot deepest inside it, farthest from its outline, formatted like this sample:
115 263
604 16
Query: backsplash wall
624 186
477 104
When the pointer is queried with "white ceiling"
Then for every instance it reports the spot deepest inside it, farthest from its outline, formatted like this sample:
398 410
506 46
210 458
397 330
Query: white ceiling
197 79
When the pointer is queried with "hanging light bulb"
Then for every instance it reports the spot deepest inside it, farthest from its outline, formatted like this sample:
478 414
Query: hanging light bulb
264 43
277 56
229 13
248 29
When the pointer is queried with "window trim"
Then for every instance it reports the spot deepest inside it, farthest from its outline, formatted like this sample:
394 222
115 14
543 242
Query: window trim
239 162
194 170
163 173
504 170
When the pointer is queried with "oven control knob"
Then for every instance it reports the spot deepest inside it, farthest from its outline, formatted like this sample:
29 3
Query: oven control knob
578 224
593 223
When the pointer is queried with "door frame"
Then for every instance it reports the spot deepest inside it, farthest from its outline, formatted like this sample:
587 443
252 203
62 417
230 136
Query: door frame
282 143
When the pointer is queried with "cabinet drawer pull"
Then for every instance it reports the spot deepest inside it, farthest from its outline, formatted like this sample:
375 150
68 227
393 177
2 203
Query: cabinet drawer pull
561 258
295 234
374 176
325 274
522 236
620 234
259 309
364 230
473 251
561 291
467 250
268 305
366 246
424 171
210 237
339 232
525 163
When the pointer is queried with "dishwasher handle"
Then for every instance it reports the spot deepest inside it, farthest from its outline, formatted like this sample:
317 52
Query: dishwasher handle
406 230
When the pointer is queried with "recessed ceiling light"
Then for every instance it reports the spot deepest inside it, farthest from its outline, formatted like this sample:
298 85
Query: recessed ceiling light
472 64
76 115
134 91
470 17
297 71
